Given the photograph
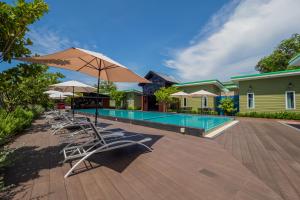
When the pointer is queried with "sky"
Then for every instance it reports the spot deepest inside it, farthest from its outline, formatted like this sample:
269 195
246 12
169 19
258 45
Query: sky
190 40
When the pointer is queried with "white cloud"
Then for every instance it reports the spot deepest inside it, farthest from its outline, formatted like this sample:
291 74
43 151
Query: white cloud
47 41
233 46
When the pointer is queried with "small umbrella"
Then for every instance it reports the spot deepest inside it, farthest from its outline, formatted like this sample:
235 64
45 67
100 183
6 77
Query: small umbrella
57 96
69 94
51 92
91 63
202 93
180 95
74 86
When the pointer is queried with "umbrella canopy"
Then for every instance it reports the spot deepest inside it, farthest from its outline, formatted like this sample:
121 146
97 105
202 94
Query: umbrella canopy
180 94
51 92
91 63
202 93
69 94
58 95
73 86
69 88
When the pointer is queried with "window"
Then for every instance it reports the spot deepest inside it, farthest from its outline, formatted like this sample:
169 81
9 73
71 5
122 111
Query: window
184 102
250 100
204 102
290 100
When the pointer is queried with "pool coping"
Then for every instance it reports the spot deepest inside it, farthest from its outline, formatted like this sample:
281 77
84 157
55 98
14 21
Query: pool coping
198 132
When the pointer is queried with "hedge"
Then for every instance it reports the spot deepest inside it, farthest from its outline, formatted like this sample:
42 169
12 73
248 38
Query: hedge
11 124
276 115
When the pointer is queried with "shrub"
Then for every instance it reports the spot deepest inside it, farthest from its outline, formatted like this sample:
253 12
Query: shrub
276 115
227 106
11 124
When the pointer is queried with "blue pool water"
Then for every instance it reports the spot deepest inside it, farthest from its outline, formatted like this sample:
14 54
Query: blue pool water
184 120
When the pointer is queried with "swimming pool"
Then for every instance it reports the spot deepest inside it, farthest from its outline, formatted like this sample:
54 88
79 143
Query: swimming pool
183 120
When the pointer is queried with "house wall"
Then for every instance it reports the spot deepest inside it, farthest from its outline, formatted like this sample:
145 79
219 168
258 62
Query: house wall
195 102
133 100
269 94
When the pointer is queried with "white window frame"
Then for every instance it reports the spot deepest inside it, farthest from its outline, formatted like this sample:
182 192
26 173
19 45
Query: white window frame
202 101
248 100
184 100
286 100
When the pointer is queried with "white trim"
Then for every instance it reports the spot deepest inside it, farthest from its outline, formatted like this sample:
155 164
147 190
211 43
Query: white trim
202 102
248 100
220 130
286 102
284 123
216 83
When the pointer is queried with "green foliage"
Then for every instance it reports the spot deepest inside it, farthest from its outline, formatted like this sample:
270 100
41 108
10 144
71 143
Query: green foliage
6 159
106 87
227 106
24 86
277 115
280 57
11 124
118 96
163 95
14 22
14 122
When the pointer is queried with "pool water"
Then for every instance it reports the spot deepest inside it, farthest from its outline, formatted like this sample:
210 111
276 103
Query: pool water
184 120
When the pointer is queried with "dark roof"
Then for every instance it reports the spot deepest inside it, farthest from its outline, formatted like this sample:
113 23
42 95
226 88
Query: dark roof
167 78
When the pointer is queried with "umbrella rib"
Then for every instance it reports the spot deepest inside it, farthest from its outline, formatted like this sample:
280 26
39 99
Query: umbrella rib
87 64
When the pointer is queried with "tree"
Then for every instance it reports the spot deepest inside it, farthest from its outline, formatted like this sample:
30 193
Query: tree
118 96
14 22
279 59
24 85
106 87
227 106
163 95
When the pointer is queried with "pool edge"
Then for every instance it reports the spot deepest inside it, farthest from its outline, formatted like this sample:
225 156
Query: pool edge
198 132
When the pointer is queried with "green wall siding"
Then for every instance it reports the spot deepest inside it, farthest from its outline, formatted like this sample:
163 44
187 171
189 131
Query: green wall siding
195 102
269 94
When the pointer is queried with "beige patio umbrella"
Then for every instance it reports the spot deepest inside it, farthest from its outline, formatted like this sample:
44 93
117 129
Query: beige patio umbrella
202 93
91 63
180 95
58 95
69 88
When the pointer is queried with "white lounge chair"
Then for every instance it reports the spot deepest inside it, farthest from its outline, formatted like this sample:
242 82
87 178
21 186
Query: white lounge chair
102 144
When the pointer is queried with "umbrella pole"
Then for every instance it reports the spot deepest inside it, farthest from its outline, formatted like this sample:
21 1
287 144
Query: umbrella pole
73 103
97 100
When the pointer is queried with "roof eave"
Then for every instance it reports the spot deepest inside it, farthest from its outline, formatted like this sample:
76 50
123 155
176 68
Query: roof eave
264 76
217 83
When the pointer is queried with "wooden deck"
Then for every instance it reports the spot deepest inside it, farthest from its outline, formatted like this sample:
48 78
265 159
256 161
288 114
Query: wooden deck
270 150
180 167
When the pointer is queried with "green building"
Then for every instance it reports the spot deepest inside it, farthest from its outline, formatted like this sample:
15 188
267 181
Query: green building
132 101
269 92
214 86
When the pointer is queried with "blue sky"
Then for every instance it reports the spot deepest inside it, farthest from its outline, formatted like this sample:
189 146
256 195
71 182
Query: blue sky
190 40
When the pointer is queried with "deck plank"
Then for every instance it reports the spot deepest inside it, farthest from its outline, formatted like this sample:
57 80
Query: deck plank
180 167
270 152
